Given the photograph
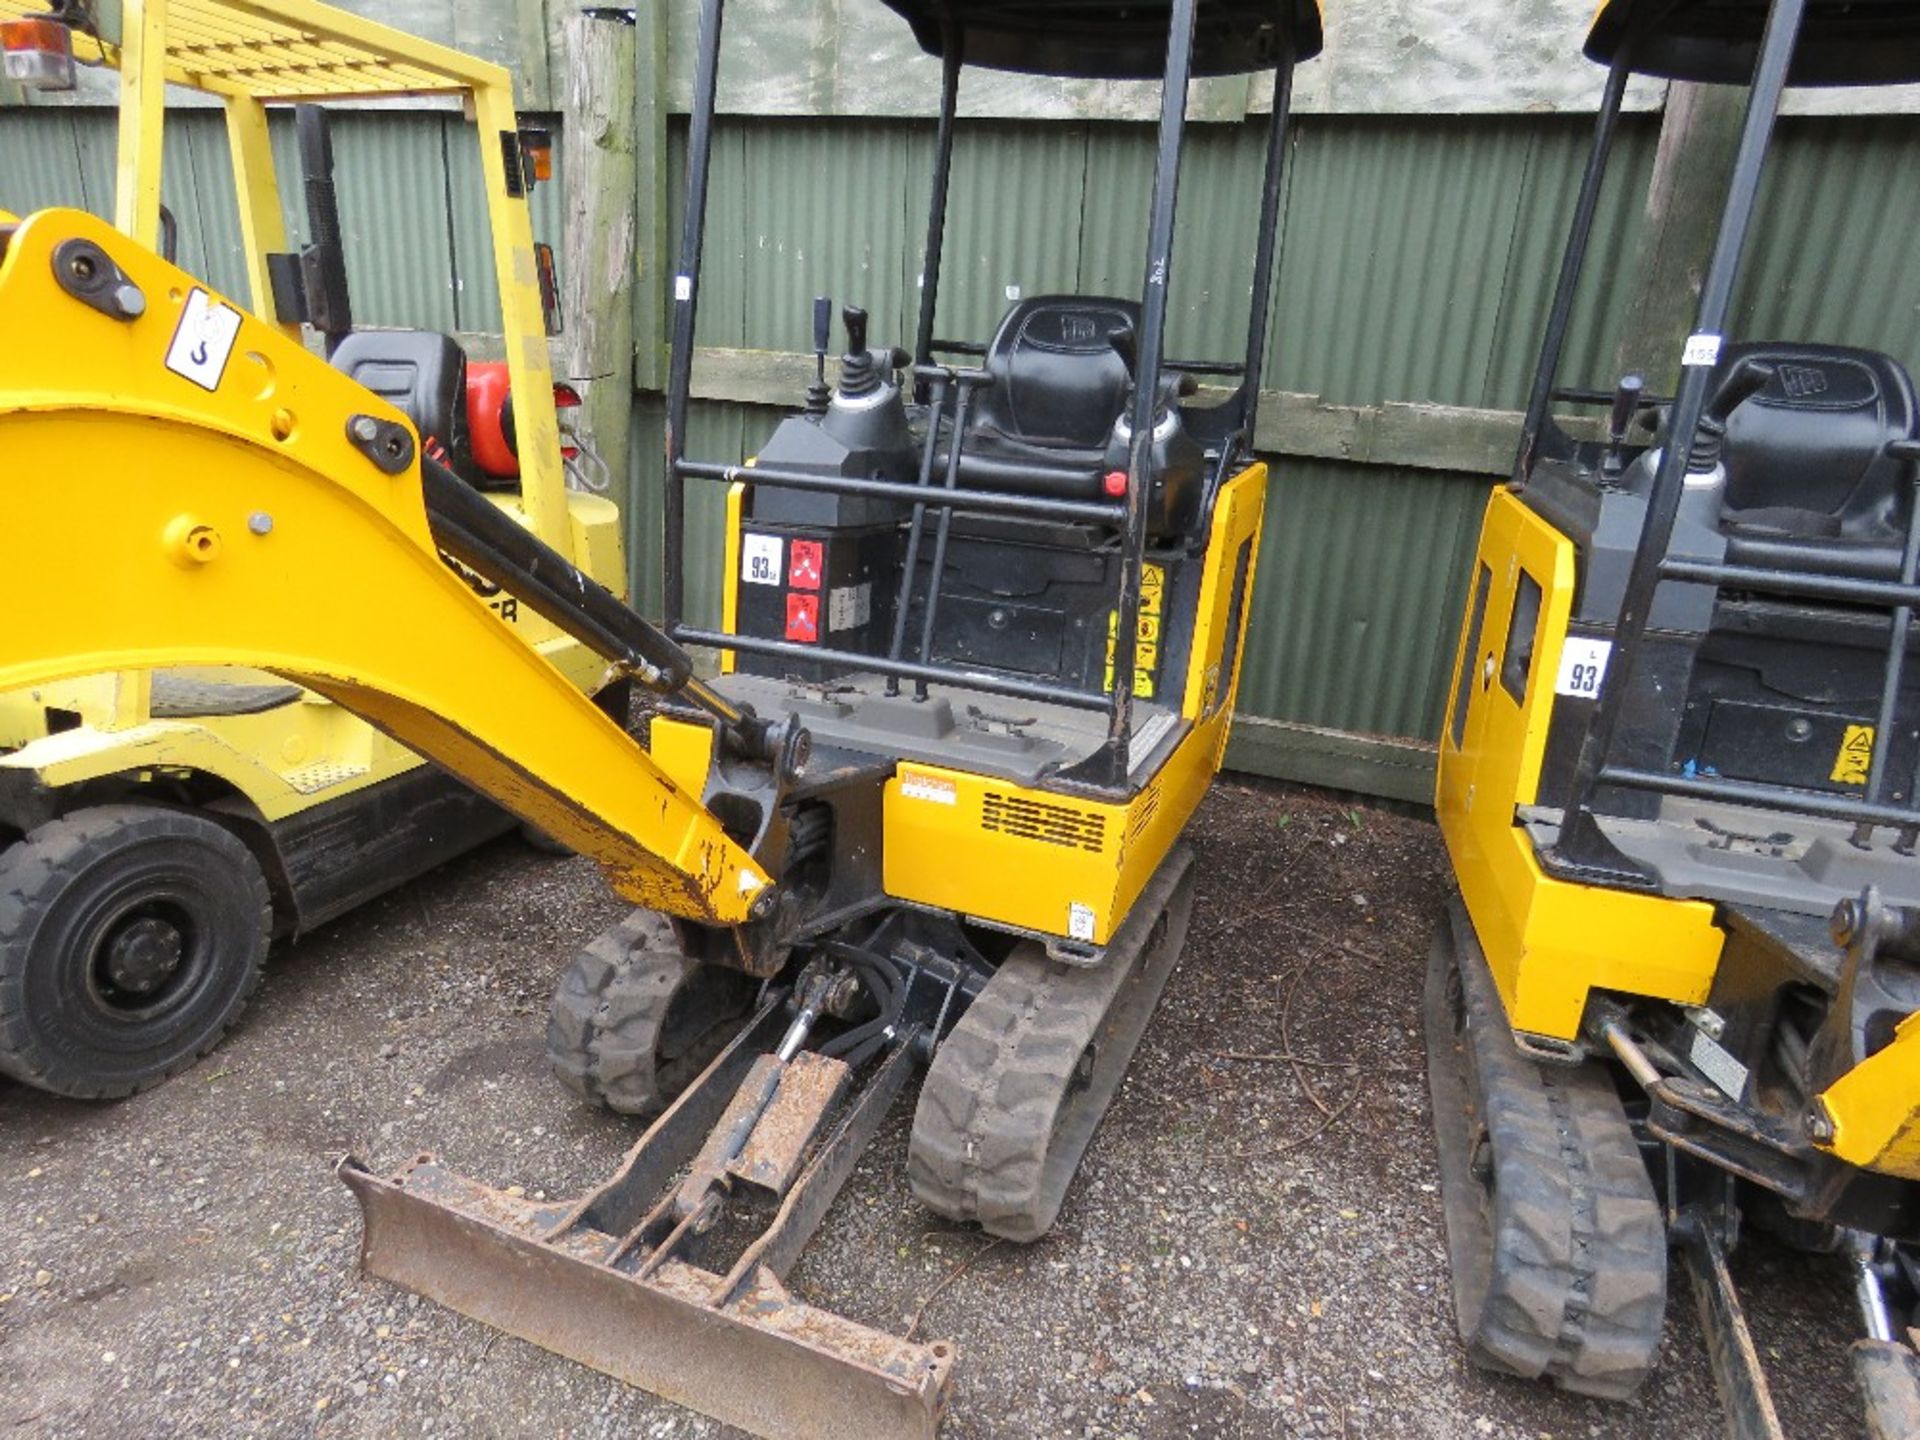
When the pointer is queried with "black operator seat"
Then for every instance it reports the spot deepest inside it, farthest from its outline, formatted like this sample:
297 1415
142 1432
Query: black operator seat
1044 425
423 374
1810 485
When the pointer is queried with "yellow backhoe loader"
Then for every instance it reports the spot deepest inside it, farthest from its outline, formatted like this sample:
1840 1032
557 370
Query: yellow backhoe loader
984 618
1677 995
159 827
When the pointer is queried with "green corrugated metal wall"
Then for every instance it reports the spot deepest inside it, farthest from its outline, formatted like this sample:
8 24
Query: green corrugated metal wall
1416 256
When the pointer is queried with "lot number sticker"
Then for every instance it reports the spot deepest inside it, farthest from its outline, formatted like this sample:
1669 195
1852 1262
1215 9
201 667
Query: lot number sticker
760 559
1583 664
203 340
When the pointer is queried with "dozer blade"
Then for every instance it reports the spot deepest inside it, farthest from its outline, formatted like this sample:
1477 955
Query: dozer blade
1888 1374
598 1279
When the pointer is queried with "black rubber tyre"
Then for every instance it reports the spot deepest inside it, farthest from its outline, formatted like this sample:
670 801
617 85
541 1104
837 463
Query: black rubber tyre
130 940
1555 1240
634 1019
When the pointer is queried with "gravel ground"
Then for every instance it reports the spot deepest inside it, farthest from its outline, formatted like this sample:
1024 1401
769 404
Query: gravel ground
1253 1249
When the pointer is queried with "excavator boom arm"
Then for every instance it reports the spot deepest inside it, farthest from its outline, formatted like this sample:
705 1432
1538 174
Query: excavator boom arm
185 485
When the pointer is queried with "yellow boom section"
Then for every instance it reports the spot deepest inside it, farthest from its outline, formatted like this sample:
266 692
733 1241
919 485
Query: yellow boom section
154 521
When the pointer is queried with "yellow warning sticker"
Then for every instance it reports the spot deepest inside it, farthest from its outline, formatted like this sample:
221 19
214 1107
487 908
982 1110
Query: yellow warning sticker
1856 754
1146 655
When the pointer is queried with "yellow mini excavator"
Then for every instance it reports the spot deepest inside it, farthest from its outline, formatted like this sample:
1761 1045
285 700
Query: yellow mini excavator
159 827
1678 991
985 616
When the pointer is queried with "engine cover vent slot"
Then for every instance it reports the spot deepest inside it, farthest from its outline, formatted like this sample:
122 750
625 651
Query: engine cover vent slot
1049 824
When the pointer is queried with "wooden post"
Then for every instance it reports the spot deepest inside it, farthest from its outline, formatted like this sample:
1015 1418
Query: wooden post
652 301
1698 135
652 245
600 261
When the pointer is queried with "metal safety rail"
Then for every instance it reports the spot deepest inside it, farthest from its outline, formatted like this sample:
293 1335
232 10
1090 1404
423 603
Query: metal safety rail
1107 767
1581 845
924 495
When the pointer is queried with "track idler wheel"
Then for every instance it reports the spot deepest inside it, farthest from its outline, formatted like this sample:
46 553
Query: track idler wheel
635 1019
1014 1095
1555 1240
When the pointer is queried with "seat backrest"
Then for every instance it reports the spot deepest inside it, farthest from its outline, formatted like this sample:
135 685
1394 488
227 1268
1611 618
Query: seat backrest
1807 455
1057 381
423 374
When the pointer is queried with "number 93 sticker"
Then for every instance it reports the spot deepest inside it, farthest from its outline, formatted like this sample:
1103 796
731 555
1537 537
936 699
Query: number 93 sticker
1583 664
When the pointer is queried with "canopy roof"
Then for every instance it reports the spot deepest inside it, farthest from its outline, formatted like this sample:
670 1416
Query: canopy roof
1097 39
1842 42
292 50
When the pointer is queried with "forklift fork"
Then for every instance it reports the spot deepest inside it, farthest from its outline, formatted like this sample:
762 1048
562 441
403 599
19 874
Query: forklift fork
609 1279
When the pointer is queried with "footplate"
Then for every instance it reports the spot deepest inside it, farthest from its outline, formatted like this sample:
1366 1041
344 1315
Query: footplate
611 1280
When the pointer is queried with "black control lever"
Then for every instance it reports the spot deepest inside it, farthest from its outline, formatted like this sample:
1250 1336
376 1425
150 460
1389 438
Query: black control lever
855 320
1626 401
1748 379
817 393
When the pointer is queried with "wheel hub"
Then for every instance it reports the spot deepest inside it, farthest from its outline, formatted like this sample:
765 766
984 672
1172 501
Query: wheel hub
143 955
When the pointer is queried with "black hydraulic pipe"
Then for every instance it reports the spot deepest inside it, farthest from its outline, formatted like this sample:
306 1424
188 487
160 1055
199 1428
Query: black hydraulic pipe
943 527
950 63
1146 380
480 535
991 501
686 294
1265 241
986 680
1572 262
1690 399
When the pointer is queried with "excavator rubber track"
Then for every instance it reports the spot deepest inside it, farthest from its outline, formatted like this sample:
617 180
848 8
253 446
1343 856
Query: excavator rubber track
1017 1090
1556 1242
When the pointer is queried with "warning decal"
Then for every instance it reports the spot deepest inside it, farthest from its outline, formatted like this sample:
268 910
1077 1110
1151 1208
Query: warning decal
805 563
203 340
1855 755
803 618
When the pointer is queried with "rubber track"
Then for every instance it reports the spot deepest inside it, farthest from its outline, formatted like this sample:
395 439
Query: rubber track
603 1029
1000 1127
1573 1256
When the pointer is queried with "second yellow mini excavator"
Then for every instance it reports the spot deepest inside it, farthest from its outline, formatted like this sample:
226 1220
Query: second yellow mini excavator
986 613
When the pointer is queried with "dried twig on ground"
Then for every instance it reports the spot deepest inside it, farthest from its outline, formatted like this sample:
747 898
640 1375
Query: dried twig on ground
952 1275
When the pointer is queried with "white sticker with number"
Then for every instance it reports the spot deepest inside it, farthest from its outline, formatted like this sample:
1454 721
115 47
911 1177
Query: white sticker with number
760 557
1583 664
1080 921
1702 350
